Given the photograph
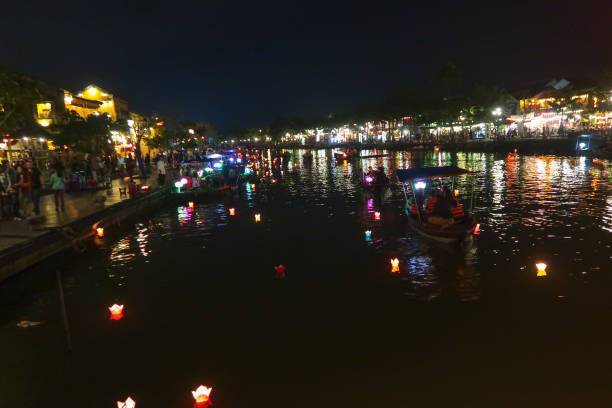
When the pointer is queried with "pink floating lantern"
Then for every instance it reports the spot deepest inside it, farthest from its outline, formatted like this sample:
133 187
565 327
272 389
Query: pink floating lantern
202 396
377 216
395 265
128 403
116 312
280 271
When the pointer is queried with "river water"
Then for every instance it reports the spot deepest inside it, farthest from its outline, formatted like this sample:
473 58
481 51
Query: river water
467 326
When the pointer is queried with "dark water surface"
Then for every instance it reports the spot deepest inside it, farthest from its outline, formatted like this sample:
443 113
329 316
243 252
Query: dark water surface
469 326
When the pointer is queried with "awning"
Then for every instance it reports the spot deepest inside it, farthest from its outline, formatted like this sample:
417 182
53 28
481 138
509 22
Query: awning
429 172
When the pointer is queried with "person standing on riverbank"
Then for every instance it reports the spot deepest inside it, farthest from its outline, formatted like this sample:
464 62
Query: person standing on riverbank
58 184
161 171
37 184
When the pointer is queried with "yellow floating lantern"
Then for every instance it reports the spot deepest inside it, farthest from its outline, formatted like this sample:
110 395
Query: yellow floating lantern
232 211
257 217
128 403
190 204
541 268
100 232
395 265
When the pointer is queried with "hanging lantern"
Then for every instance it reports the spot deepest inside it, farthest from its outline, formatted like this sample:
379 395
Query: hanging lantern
190 204
116 312
377 216
368 236
202 396
395 265
280 271
232 211
541 267
100 232
128 403
257 217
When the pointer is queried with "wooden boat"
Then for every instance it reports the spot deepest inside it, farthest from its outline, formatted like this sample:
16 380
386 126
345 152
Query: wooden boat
413 179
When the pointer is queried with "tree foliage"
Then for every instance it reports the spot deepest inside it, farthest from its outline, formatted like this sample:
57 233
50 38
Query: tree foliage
88 135
18 94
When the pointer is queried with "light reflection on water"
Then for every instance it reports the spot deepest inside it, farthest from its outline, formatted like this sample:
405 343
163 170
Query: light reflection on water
529 208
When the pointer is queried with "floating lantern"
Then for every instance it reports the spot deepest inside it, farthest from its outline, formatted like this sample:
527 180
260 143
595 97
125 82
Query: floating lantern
377 216
395 265
202 396
274 180
469 169
100 232
280 271
368 236
252 186
232 211
190 204
515 151
369 179
116 312
456 193
128 403
477 229
541 269
257 217
419 185
436 149
145 188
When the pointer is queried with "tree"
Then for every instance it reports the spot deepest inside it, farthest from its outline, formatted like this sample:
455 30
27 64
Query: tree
89 135
18 93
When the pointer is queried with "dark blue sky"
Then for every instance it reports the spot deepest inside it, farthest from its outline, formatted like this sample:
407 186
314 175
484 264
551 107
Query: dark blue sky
243 63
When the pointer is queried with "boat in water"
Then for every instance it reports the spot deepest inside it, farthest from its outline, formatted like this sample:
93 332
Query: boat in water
417 179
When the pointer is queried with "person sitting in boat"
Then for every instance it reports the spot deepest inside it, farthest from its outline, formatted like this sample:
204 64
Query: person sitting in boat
380 176
442 213
417 203
457 209
429 205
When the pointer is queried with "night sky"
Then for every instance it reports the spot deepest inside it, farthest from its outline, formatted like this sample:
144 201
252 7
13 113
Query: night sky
244 63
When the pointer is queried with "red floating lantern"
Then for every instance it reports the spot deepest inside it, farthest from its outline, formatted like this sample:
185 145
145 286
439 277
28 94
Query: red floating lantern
116 312
280 271
100 232
436 149
145 188
395 265
477 229
377 216
128 403
232 211
202 396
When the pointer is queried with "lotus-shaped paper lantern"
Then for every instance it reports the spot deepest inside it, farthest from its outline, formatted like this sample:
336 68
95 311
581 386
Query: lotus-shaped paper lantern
395 265
202 396
116 312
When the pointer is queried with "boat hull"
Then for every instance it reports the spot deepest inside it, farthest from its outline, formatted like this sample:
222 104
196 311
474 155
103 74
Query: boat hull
454 234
